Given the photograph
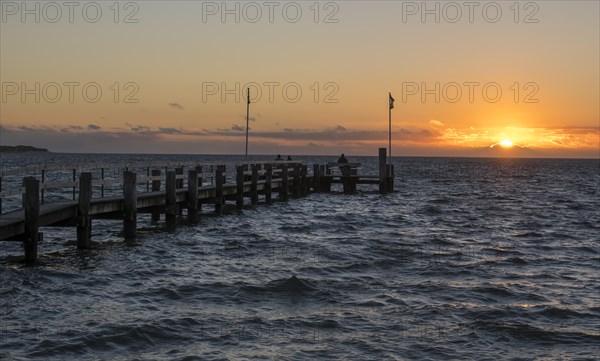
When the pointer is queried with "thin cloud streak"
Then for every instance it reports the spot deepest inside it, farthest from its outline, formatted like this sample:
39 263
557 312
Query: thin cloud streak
416 141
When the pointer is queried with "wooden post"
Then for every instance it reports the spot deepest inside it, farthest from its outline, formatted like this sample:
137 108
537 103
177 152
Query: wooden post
239 196
224 173
74 180
102 185
156 182
155 217
193 196
316 178
325 178
200 184
199 171
296 181
147 181
31 207
346 182
268 182
84 221
390 178
303 176
129 205
219 181
283 191
179 183
254 186
171 201
382 171
42 185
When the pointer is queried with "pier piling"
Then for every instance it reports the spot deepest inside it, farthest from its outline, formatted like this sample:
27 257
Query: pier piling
283 191
179 183
129 205
200 184
268 182
219 182
84 221
382 171
254 186
171 201
31 207
192 196
239 197
155 216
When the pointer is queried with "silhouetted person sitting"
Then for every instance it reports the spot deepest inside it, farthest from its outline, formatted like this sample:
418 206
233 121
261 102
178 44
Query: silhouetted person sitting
289 157
344 168
278 157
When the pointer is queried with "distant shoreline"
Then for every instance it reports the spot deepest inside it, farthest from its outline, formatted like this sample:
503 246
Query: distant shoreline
21 149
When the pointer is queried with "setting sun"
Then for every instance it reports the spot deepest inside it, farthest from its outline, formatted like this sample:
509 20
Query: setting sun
506 143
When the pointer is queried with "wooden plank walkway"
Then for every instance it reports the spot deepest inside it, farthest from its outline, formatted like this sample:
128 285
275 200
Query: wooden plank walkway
248 181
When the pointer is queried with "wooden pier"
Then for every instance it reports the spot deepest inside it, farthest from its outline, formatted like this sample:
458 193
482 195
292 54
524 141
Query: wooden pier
167 194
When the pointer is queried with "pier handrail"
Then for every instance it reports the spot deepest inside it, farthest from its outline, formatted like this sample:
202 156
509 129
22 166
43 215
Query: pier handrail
90 166
117 168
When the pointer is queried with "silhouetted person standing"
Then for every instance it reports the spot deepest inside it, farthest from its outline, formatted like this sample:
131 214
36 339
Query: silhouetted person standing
278 157
289 157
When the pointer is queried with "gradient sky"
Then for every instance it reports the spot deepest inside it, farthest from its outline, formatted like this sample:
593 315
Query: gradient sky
177 51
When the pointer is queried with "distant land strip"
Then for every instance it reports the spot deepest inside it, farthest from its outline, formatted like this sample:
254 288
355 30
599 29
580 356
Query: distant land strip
20 149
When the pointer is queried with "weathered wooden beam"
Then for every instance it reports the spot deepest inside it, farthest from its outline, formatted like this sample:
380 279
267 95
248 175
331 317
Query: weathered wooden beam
200 184
74 180
254 186
390 178
43 190
296 181
268 183
283 191
219 181
382 170
84 221
325 178
31 207
171 201
239 196
155 217
316 178
192 206
303 177
129 205
179 183
102 185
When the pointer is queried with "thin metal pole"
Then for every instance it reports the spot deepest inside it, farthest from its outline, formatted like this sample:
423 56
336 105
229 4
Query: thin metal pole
390 107
247 121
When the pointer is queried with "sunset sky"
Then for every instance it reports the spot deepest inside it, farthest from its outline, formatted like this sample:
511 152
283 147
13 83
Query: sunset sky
180 68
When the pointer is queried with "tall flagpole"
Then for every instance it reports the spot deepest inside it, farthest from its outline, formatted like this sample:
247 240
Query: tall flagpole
390 107
247 121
